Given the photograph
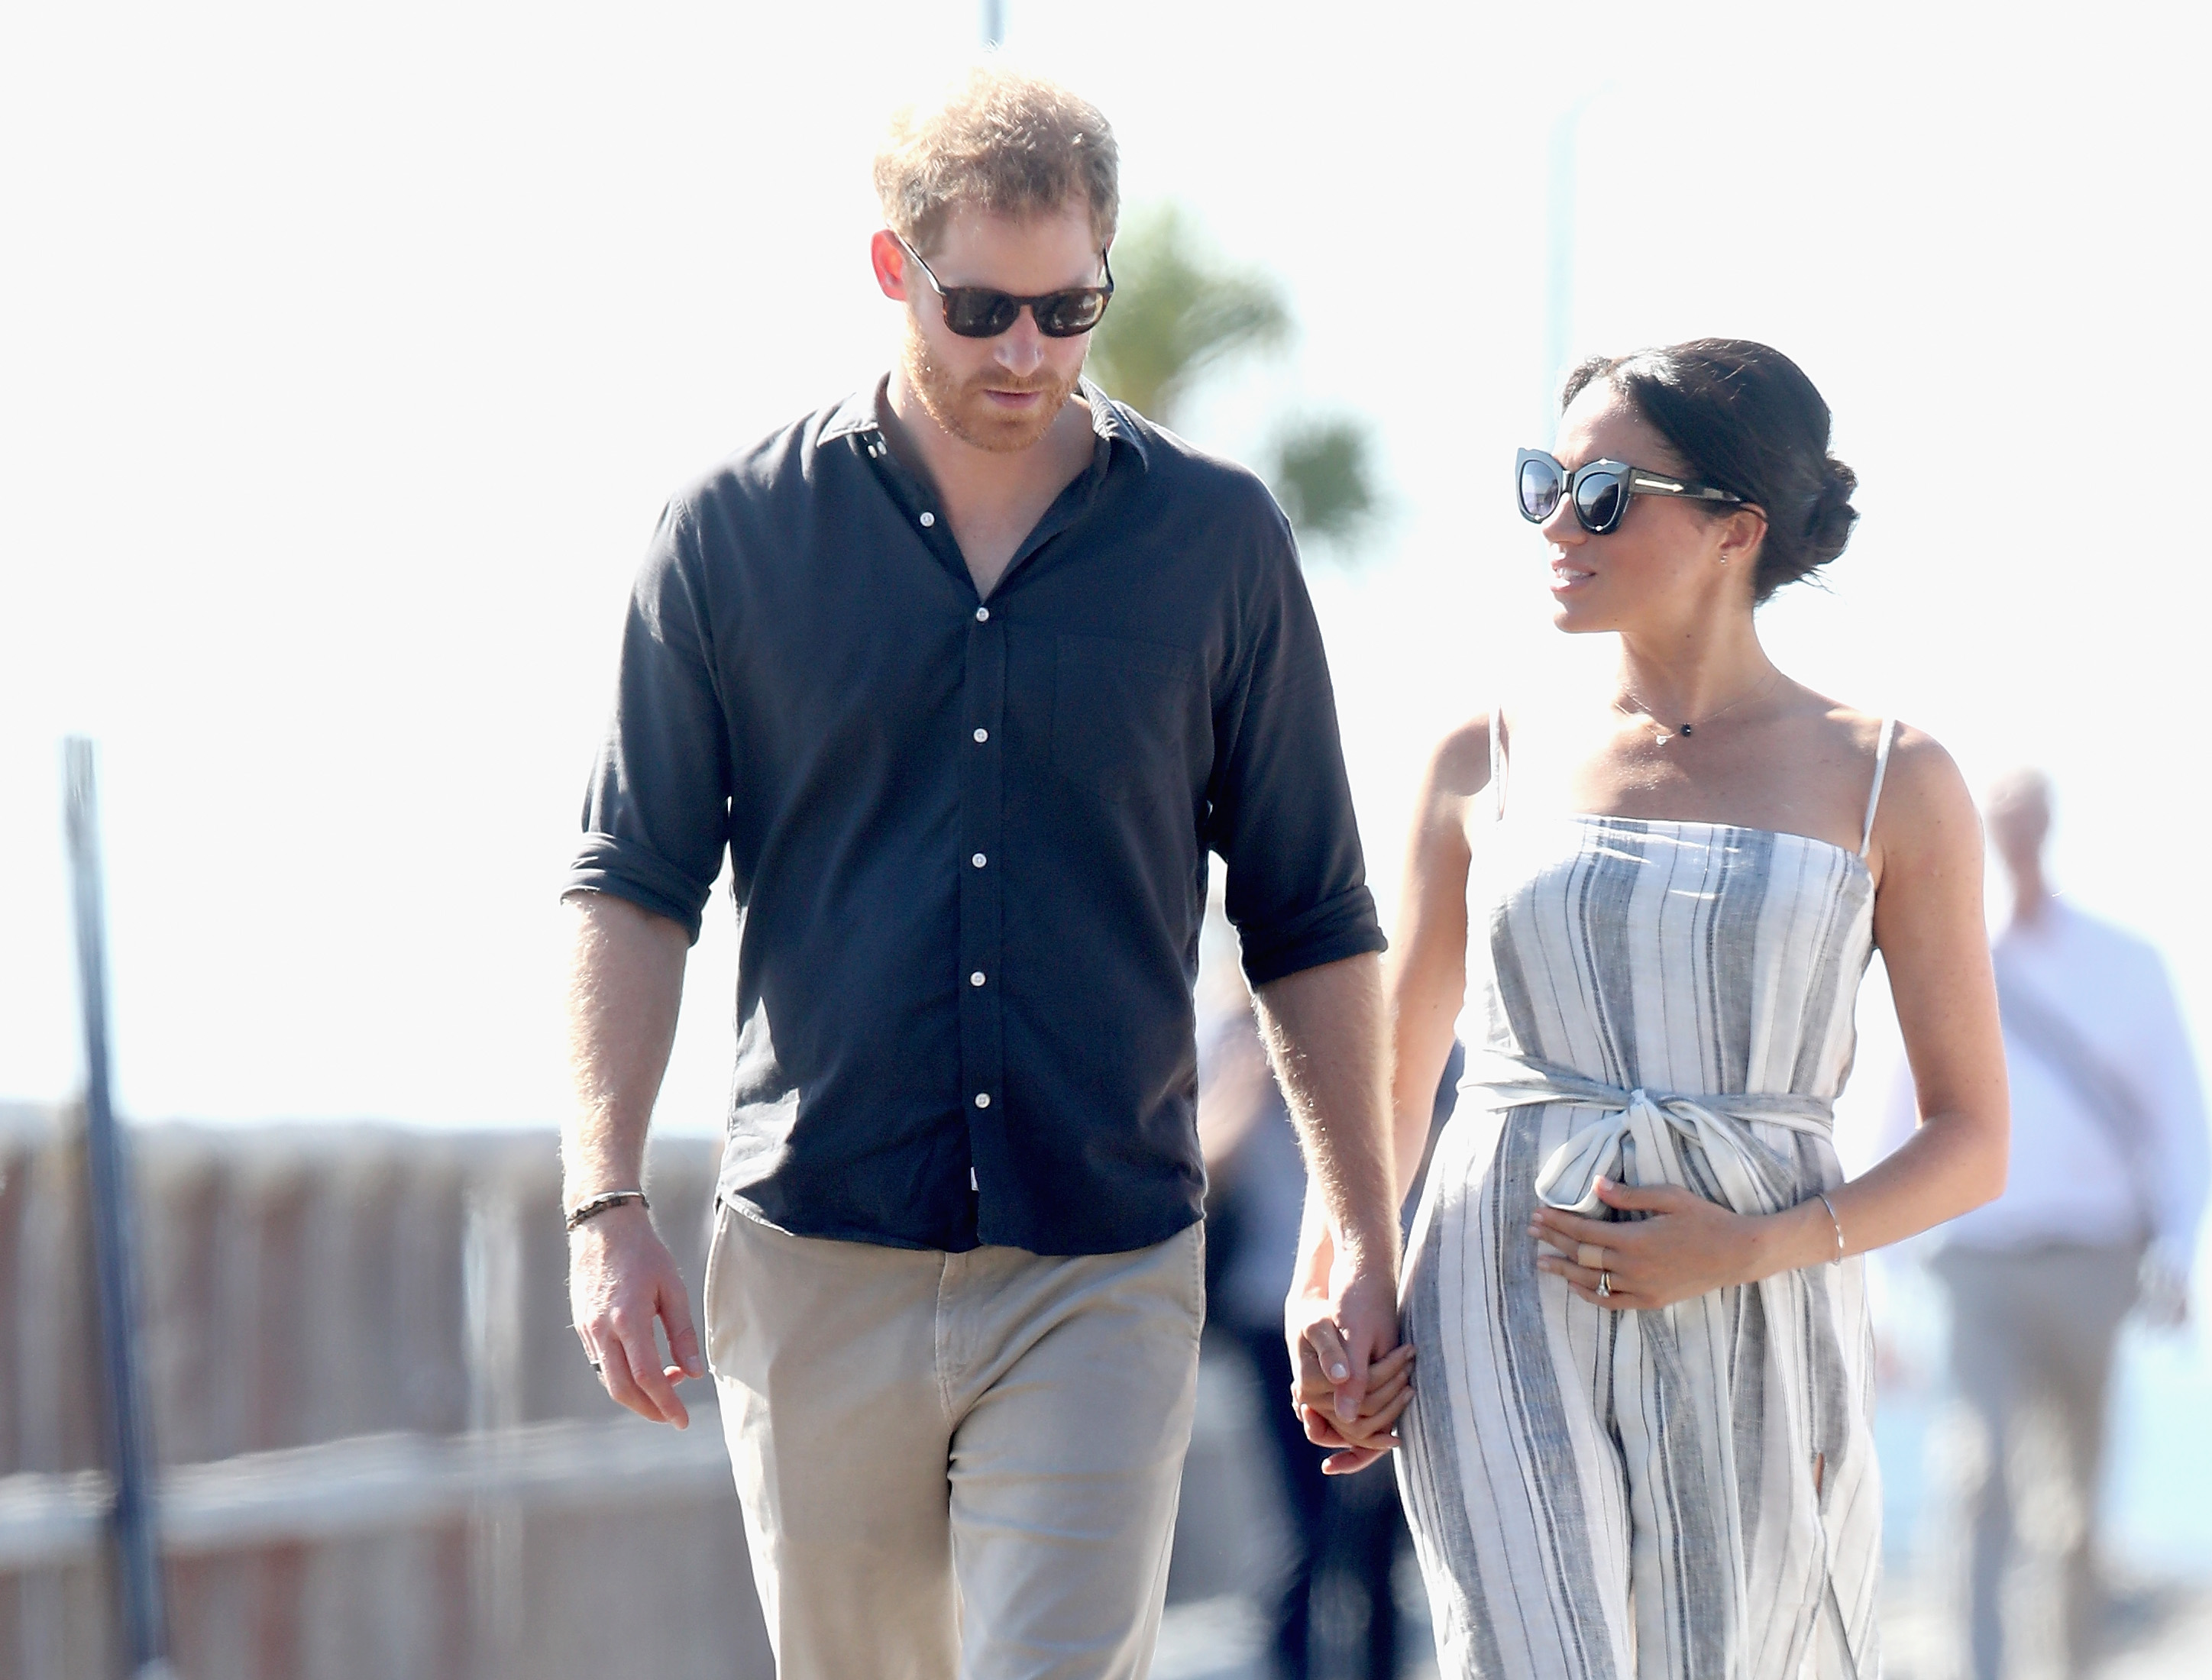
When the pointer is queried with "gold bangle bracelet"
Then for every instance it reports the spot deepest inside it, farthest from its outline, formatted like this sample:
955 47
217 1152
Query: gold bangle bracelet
1835 1221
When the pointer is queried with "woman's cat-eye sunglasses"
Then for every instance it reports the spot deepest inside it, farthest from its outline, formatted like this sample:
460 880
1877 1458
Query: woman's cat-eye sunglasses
1598 491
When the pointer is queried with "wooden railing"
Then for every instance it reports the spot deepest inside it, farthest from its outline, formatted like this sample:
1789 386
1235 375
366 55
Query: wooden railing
383 1453
369 1484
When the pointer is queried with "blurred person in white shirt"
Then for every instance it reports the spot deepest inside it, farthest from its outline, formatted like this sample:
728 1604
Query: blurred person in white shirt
2100 1215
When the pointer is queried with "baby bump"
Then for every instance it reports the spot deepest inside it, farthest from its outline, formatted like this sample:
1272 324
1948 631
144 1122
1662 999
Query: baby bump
1471 1225
1483 1186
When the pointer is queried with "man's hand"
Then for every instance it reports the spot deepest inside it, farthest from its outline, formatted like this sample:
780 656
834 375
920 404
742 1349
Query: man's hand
1339 1331
621 1279
1356 1442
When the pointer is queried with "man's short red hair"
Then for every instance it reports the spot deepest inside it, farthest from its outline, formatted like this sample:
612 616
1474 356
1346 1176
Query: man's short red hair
1002 141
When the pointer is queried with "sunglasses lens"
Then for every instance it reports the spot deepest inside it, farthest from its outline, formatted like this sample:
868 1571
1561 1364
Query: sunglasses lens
1540 490
1064 314
1598 502
977 311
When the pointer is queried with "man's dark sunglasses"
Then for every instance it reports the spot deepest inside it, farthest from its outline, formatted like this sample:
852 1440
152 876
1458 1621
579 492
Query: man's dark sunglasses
1598 491
979 312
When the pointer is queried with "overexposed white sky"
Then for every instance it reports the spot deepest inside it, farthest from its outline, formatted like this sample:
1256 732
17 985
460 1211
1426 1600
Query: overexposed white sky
347 353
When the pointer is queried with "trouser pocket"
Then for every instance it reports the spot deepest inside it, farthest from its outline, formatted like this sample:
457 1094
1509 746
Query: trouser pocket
713 1296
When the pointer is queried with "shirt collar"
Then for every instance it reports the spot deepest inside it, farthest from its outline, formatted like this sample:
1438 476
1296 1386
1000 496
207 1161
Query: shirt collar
862 415
858 414
1115 423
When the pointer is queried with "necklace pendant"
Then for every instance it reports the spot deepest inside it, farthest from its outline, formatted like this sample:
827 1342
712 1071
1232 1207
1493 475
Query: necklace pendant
1685 729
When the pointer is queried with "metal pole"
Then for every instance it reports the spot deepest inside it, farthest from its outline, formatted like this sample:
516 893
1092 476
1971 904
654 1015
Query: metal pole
995 23
1564 161
1560 259
145 1622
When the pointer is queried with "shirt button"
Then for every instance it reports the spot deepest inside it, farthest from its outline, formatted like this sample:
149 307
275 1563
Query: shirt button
979 860
982 615
981 736
928 520
982 1099
976 979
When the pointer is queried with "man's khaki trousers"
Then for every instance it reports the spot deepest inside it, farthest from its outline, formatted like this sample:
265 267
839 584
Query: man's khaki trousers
2032 1336
955 1464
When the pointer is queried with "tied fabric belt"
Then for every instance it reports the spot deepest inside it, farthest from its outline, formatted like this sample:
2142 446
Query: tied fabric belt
1753 1179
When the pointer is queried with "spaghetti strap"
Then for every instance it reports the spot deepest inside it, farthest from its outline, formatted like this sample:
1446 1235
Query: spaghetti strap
1497 764
1880 770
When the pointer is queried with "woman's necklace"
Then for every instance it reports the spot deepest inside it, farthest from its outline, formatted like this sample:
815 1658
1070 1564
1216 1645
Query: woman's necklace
1688 728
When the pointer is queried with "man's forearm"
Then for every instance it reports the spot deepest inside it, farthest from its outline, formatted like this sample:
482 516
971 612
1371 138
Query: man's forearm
1324 1028
625 984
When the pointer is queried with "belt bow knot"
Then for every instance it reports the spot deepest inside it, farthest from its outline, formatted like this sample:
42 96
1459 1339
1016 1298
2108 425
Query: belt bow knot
1753 1179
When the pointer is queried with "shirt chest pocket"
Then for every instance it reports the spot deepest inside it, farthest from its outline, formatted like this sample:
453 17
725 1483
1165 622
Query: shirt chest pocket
1126 716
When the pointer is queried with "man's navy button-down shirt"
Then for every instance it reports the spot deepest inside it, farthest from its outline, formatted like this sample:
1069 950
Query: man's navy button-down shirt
968 836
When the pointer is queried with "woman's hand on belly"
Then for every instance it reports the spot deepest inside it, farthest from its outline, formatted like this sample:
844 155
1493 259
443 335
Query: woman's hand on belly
1684 1246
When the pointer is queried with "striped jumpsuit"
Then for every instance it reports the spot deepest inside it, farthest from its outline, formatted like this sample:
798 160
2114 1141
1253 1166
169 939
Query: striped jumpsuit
1684 1494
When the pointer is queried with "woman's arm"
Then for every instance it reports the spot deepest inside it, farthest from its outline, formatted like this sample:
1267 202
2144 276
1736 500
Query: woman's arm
1425 976
1927 859
1927 926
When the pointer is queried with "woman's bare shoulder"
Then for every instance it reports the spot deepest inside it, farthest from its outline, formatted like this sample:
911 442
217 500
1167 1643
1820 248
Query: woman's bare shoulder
1458 769
1460 766
1913 753
1930 794
1925 809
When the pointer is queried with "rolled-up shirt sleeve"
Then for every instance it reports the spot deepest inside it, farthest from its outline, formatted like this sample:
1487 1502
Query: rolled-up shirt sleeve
1281 815
656 815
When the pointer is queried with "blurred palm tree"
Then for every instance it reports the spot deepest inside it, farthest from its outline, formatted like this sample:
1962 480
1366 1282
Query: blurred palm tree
1177 311
1324 477
1180 313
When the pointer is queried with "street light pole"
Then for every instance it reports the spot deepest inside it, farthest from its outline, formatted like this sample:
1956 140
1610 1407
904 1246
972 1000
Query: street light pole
145 1619
995 23
1558 254
1564 170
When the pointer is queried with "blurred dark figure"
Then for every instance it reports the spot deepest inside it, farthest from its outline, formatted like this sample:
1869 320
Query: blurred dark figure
2100 1215
1332 1612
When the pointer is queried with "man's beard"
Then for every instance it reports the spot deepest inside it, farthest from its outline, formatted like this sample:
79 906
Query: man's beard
965 411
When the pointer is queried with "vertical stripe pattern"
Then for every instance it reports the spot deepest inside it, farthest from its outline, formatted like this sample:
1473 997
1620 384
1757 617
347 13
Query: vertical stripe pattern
1688 1494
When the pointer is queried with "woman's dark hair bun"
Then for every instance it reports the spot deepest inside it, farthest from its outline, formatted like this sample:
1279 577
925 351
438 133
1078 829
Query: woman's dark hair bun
1828 527
1742 416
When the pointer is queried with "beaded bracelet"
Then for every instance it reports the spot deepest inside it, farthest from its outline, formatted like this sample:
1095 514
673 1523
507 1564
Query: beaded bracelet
592 1207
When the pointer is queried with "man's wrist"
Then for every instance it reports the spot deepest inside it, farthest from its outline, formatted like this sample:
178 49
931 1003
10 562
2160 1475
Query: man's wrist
597 1171
605 1202
614 1217
618 1227
1372 1249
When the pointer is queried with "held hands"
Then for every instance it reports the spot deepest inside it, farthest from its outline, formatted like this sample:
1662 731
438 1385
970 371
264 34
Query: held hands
621 1279
1361 1441
1685 1245
1350 1386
